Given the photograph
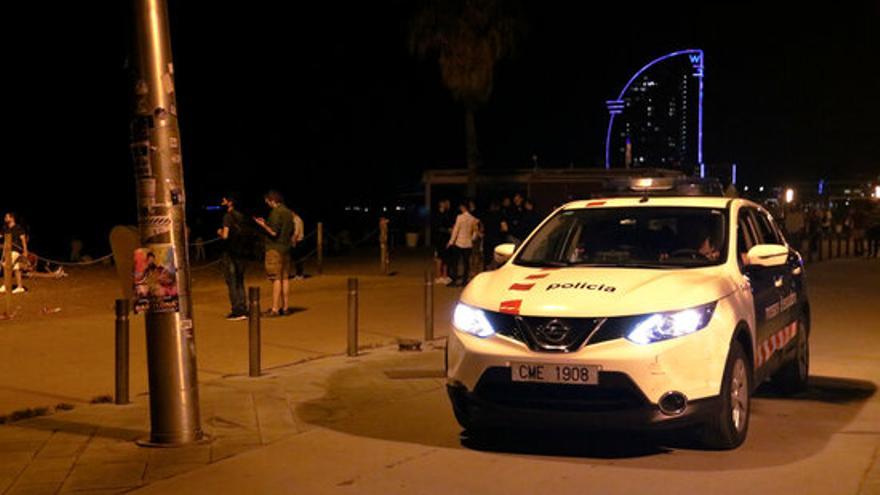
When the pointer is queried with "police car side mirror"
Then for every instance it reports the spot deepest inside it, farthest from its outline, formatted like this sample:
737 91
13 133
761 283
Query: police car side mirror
767 255
503 252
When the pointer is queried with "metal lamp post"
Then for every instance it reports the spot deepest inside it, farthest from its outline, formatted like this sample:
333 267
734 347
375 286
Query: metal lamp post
164 283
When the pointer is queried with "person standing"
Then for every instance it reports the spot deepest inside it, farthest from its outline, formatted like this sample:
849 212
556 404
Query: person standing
514 218
461 244
19 248
530 220
794 226
277 231
492 234
296 246
441 228
233 235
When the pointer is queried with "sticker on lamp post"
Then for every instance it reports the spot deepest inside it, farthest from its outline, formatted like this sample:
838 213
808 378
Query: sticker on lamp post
155 280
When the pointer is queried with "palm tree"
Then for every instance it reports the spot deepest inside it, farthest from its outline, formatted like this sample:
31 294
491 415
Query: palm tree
467 38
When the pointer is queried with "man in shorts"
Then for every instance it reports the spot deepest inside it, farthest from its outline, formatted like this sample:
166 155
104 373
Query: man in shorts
277 231
19 255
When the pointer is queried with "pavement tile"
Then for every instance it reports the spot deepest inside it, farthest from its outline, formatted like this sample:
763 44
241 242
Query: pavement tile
11 459
276 420
161 472
63 445
97 476
43 488
110 450
198 454
47 470
22 446
6 481
224 447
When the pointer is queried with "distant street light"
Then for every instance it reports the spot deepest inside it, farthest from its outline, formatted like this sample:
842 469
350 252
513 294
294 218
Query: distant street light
789 195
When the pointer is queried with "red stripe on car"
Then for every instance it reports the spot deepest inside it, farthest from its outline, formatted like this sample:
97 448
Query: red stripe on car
511 307
536 276
521 286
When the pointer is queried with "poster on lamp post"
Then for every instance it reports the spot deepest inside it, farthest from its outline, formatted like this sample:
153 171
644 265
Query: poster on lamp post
155 280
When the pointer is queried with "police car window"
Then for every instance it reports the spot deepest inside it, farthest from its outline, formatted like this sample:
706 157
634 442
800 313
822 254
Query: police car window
648 237
745 235
765 228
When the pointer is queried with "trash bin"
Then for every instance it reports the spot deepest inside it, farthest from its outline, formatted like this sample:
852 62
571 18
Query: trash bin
412 239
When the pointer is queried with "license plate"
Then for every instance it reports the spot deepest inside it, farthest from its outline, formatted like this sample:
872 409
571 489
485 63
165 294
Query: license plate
554 373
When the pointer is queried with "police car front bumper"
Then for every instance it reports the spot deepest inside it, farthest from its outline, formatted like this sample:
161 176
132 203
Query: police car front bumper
617 405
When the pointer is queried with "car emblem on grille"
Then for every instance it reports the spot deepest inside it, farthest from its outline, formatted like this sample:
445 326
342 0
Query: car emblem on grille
553 332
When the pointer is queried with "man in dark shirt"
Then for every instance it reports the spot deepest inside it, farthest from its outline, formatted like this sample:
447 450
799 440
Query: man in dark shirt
233 235
19 248
278 230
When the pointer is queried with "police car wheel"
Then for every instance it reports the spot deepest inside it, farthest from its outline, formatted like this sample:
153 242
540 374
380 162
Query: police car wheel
794 375
729 426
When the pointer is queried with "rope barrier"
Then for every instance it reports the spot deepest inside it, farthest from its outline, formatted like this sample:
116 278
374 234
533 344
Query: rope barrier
74 263
102 258
206 266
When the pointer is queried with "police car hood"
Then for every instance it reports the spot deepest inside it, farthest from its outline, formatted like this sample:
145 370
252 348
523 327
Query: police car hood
595 291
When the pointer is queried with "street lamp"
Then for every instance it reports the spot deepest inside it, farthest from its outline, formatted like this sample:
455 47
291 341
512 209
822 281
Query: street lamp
789 195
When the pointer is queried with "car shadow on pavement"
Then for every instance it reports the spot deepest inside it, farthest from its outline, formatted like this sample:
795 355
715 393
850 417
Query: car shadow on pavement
362 400
596 445
825 389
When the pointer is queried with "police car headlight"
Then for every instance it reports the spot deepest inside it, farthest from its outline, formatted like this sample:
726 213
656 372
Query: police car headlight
472 320
664 326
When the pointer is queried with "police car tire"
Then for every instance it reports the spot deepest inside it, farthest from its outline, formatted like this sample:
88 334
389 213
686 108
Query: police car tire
720 432
794 375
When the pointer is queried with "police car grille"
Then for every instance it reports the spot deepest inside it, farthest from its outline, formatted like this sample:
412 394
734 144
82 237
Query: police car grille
584 331
544 334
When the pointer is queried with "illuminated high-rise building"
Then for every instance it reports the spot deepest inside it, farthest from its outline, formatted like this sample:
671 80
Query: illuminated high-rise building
657 120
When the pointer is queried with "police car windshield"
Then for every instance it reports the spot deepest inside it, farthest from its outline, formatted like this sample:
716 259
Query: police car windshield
634 237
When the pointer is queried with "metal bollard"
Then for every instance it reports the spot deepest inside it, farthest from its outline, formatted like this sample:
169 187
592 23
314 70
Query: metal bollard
320 247
352 317
254 331
122 333
384 260
429 306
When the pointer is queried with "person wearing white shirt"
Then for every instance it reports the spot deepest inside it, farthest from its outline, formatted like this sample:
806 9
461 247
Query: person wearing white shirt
461 244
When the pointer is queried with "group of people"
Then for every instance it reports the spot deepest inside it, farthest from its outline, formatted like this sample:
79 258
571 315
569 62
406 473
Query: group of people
467 236
849 222
283 234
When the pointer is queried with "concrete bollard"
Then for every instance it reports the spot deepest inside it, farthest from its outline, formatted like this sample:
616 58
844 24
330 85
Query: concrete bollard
254 365
352 317
122 346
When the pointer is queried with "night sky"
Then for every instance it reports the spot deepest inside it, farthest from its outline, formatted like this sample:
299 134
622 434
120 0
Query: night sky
325 103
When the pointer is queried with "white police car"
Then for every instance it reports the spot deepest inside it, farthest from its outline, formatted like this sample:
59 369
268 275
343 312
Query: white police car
628 313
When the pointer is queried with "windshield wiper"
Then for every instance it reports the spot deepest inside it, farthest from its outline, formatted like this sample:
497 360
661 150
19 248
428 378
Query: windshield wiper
626 265
540 263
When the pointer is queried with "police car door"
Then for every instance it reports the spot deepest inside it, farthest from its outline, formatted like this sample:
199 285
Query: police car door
767 284
791 272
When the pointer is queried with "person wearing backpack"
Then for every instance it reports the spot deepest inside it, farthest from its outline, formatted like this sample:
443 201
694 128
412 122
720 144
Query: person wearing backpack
296 245
233 236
